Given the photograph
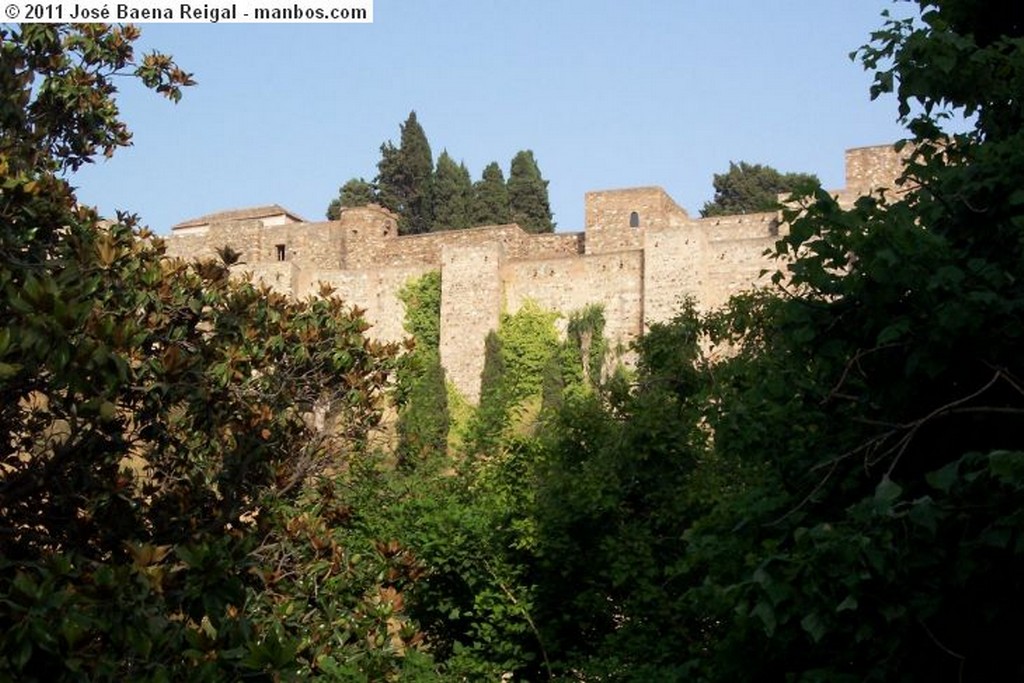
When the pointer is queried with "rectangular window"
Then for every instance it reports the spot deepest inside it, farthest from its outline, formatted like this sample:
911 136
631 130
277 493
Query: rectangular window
280 252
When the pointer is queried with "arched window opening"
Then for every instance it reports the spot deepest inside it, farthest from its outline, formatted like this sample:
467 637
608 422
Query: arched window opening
634 220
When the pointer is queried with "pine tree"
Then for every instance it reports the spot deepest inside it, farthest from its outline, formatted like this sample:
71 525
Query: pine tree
453 194
490 198
752 188
405 178
355 192
528 195
333 212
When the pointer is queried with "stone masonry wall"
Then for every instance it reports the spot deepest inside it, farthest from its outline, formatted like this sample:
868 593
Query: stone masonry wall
426 248
673 268
733 266
375 291
751 225
639 273
281 276
470 309
869 168
189 247
610 217
733 256
562 244
365 233
614 280
316 245
245 237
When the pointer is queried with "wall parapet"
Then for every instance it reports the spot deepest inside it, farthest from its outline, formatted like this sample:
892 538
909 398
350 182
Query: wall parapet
742 226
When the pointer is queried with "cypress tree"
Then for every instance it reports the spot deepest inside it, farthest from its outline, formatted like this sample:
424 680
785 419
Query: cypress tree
390 179
453 194
405 177
419 164
490 198
423 418
423 421
528 195
491 416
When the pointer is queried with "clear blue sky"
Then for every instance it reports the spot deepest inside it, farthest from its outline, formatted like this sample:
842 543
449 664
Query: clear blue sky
607 94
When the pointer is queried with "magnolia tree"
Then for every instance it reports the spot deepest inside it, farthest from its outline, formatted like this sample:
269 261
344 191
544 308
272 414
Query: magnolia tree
165 506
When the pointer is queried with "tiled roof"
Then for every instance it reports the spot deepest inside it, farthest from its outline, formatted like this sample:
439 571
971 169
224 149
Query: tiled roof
255 212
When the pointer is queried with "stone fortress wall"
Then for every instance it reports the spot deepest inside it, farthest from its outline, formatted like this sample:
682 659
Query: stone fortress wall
639 254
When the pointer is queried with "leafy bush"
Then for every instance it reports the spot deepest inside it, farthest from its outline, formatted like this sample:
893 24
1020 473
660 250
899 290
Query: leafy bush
161 422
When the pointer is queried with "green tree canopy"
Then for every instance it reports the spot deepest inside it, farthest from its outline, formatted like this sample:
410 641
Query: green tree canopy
453 194
838 497
428 198
528 195
856 514
354 193
490 198
752 188
406 176
163 479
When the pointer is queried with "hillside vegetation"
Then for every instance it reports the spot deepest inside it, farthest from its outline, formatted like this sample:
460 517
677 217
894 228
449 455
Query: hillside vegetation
822 481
